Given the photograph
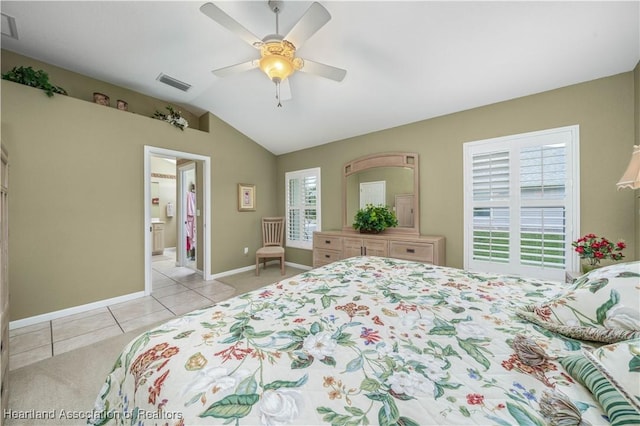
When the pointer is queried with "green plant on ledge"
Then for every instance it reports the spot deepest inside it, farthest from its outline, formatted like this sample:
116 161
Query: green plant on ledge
374 219
173 117
30 77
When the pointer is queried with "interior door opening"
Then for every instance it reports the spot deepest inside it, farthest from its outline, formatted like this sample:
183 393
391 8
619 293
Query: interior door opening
189 233
191 193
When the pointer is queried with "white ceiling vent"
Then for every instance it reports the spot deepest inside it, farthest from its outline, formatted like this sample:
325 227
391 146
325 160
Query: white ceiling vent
181 85
9 26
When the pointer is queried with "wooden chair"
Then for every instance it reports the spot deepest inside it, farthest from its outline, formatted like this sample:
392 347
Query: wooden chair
272 242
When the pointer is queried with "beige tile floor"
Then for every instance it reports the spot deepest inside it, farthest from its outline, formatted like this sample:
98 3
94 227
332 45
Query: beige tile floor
176 291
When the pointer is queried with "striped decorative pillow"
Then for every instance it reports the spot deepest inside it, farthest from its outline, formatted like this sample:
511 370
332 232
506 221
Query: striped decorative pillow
620 364
618 409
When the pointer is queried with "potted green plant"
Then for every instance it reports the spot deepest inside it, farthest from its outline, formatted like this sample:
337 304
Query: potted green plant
374 219
30 77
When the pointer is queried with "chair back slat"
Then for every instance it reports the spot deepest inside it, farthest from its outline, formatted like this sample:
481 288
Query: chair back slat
272 231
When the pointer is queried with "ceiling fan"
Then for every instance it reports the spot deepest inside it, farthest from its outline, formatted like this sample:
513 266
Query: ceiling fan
277 52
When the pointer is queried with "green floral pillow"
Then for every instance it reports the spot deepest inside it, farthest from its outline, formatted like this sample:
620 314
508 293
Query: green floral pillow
602 305
620 364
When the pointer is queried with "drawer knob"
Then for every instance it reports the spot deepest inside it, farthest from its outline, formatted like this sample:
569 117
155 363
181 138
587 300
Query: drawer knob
327 256
327 241
411 250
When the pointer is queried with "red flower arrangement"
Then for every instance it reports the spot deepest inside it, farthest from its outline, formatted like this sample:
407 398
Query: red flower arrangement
594 249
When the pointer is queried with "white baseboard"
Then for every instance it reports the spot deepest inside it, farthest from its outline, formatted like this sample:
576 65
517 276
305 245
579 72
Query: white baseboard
231 272
297 265
73 310
251 267
107 302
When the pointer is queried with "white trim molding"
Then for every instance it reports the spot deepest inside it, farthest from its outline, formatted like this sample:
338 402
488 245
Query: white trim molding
74 310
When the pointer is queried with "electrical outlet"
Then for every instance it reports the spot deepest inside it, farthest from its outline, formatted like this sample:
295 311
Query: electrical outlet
246 250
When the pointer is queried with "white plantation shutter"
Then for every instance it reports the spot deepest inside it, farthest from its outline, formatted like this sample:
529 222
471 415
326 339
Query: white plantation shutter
543 177
521 203
542 236
491 234
302 206
491 176
491 183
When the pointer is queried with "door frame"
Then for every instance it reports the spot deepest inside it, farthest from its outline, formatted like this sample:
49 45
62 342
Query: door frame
181 252
152 151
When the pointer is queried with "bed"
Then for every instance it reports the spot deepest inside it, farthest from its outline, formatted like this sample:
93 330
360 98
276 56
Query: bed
371 340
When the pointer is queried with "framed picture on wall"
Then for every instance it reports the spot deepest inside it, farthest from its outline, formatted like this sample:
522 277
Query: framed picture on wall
246 197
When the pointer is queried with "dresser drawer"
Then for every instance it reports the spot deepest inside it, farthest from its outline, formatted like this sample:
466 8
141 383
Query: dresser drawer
421 252
327 242
323 257
376 248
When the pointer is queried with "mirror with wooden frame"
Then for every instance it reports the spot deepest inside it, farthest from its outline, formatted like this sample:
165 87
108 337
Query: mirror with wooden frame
389 178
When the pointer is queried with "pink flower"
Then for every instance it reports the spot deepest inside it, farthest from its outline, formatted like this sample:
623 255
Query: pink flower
475 399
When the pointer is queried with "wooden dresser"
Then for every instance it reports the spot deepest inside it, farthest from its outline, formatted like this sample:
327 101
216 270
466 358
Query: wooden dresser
330 246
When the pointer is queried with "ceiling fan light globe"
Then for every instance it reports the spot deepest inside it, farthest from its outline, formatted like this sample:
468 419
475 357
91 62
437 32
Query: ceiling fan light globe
276 67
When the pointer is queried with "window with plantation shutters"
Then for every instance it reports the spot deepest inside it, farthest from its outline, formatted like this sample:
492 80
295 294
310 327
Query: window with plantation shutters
521 201
302 207
491 206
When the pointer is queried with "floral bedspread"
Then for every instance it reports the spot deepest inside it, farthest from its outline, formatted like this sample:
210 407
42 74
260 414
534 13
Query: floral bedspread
366 340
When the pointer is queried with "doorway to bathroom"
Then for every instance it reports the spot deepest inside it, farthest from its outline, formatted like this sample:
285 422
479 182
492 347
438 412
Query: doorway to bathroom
188 230
182 209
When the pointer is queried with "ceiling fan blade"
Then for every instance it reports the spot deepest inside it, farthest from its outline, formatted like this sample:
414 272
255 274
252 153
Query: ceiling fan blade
221 17
326 71
235 69
312 20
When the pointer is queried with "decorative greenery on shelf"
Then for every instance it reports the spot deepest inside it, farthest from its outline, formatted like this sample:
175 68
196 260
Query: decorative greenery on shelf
173 117
30 77
374 219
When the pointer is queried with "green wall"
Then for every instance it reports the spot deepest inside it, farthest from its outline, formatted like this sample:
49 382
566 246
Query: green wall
76 203
604 109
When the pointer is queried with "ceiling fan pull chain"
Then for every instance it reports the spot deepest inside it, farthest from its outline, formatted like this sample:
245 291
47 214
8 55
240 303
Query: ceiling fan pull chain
278 94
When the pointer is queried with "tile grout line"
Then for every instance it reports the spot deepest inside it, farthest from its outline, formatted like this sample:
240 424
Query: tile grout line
163 305
51 335
115 319
155 298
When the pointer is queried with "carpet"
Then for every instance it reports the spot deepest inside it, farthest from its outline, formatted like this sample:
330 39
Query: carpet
66 385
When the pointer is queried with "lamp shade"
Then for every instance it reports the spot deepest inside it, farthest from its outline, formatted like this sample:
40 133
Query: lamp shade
631 177
276 67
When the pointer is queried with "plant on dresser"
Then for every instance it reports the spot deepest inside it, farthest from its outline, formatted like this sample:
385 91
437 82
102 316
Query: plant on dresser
374 219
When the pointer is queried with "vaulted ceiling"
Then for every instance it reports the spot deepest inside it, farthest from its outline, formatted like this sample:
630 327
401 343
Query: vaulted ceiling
405 61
